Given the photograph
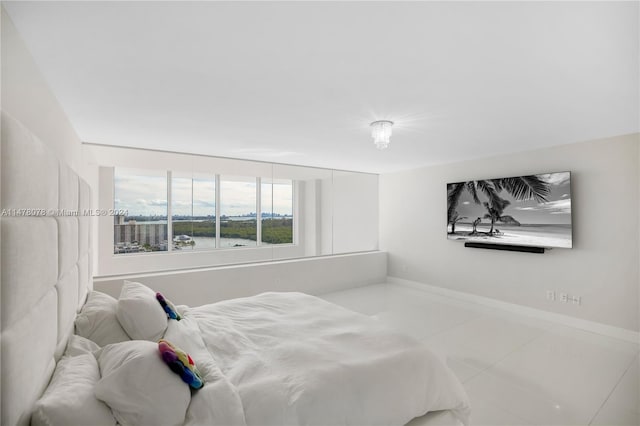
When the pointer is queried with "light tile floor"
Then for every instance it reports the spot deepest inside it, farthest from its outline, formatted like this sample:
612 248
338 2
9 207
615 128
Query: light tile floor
516 370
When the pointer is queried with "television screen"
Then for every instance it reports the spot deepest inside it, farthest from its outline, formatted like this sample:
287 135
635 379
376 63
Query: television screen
533 210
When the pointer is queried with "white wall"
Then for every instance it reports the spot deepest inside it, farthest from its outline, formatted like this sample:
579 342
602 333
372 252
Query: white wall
316 275
27 97
602 267
355 212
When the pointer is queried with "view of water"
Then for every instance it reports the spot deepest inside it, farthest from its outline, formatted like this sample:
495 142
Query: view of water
210 243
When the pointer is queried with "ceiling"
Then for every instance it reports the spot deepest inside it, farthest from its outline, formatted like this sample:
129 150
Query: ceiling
299 82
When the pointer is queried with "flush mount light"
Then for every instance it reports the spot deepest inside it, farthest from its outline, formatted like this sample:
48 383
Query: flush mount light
381 133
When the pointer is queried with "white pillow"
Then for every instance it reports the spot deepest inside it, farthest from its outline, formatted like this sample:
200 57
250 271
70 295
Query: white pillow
69 398
79 345
140 313
139 387
185 334
97 320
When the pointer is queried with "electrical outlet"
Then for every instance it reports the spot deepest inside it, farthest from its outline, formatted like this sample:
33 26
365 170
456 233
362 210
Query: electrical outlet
551 295
564 297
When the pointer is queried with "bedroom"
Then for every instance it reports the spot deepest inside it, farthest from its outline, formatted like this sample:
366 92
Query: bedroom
266 109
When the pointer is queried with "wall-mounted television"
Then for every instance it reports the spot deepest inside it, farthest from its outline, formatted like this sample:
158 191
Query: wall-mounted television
532 210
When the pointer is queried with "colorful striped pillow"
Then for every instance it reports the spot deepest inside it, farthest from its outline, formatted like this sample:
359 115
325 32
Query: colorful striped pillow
180 363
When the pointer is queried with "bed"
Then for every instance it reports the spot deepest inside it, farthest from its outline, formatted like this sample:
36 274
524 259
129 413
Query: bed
271 359
296 359
74 356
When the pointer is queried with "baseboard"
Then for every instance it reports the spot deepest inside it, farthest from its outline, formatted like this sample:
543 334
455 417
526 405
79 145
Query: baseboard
592 326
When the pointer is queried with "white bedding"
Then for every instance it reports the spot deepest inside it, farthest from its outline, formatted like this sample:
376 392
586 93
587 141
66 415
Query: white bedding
294 359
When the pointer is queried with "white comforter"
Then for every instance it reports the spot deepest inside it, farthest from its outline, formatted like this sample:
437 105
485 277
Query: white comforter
294 359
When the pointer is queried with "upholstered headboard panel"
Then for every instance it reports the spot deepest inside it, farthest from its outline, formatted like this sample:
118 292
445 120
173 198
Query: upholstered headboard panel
46 265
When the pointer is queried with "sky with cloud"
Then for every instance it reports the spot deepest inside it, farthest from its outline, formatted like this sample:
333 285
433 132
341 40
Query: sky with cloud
146 195
557 210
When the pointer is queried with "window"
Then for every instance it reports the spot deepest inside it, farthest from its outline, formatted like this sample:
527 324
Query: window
277 211
143 196
207 211
238 219
193 211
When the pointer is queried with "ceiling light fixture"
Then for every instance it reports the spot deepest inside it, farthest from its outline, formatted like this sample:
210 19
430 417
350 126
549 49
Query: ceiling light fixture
381 133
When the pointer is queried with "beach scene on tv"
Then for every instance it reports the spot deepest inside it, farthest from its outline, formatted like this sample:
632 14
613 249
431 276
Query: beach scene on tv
533 210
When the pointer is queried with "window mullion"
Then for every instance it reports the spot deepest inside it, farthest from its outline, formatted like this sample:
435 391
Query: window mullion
192 179
295 211
169 218
259 211
217 211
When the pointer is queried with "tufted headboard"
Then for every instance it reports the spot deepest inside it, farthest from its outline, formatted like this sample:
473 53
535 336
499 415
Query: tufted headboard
46 265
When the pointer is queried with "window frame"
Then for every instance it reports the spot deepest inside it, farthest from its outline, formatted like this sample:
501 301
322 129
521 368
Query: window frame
258 203
294 209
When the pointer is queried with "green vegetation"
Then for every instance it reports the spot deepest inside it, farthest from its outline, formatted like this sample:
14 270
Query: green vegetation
195 229
274 231
245 229
277 231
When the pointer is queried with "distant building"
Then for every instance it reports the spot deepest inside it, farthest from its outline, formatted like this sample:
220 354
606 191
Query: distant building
154 234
